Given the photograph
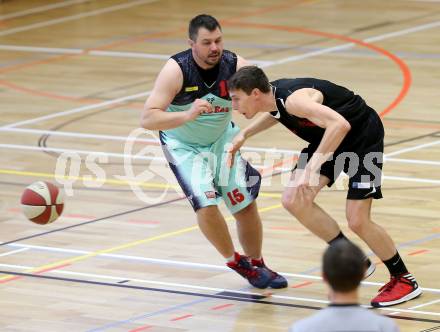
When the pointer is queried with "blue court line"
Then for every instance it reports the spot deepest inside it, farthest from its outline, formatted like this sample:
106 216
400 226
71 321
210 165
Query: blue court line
151 314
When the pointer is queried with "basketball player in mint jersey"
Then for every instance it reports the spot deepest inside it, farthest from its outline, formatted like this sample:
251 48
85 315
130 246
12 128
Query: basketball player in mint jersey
191 107
343 133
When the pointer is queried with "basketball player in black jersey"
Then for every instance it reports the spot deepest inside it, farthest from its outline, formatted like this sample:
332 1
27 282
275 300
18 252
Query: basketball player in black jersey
191 108
344 134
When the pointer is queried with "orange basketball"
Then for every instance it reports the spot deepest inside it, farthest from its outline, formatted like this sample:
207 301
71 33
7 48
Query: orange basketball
42 202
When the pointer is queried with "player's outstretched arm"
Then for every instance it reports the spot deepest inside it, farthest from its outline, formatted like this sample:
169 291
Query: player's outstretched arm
168 84
263 122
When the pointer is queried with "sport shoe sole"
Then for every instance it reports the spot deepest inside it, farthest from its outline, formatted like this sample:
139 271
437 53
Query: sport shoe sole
415 293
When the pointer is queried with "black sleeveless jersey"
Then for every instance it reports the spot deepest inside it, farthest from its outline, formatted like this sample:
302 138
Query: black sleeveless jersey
351 106
193 84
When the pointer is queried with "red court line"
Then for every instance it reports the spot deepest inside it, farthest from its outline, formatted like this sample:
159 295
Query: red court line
418 252
133 40
46 94
10 279
303 284
4 281
270 169
223 306
142 328
401 64
51 268
181 317
36 62
51 95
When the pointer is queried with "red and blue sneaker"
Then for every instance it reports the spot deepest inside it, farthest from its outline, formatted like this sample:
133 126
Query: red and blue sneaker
399 289
257 277
277 281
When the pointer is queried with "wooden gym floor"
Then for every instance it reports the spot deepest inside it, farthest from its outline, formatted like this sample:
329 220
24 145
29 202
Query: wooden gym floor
74 75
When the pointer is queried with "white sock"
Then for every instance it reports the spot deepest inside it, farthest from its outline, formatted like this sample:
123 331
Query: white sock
230 259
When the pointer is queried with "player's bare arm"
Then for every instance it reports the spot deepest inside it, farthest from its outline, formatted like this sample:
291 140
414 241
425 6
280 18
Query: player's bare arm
167 86
241 62
307 103
263 122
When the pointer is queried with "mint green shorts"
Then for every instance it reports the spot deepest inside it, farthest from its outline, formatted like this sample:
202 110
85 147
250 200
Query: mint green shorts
204 177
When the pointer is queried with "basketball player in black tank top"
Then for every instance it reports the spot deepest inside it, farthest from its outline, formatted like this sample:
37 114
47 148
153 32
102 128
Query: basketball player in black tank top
343 133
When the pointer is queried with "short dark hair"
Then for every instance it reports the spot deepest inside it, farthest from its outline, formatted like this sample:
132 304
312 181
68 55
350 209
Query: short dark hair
202 21
343 266
248 78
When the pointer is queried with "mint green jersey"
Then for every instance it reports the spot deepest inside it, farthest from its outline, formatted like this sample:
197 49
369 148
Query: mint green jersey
206 129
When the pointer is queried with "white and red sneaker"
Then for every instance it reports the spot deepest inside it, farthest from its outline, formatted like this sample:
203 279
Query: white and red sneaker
399 289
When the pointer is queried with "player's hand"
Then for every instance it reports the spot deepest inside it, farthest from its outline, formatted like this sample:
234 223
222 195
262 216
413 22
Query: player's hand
305 182
233 147
198 107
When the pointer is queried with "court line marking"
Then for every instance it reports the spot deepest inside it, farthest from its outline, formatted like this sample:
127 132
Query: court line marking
408 179
424 304
162 56
164 185
86 152
118 54
40 9
405 71
183 263
130 244
413 148
412 161
397 310
144 37
203 288
77 110
126 138
91 179
13 252
418 28
304 56
75 17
